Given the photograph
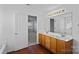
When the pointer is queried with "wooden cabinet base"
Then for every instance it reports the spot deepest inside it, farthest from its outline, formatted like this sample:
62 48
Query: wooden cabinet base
56 45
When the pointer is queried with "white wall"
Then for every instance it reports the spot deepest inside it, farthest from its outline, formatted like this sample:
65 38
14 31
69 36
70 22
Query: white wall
1 17
14 25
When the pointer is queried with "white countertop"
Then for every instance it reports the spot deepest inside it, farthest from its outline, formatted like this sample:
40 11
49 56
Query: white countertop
58 36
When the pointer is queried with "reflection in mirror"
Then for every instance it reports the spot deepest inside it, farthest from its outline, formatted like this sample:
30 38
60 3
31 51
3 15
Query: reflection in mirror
68 23
51 25
61 24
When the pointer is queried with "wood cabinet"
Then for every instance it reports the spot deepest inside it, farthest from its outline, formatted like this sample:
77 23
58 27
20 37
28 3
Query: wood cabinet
60 46
56 45
47 42
69 47
42 39
64 47
53 44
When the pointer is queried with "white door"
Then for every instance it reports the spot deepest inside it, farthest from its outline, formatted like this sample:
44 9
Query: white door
21 37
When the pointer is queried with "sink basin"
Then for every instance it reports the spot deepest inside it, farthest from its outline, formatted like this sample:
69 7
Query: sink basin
55 34
62 35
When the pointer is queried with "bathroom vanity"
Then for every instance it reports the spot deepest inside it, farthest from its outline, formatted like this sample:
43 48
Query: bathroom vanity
56 43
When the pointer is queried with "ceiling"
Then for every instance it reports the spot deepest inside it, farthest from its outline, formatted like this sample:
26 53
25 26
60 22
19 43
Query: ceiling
44 7
39 7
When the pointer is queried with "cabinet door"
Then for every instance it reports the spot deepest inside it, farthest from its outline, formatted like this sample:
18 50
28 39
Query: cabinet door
47 42
60 46
69 47
53 45
42 40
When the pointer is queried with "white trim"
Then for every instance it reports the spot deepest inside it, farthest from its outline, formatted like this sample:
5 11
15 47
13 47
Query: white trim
36 32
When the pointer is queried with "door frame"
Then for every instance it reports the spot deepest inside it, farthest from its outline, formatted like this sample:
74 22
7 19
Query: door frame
36 28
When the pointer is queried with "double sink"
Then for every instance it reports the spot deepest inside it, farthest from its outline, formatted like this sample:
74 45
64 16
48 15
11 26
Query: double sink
58 36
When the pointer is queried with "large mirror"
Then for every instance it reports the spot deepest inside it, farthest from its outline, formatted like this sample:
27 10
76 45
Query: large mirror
61 23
